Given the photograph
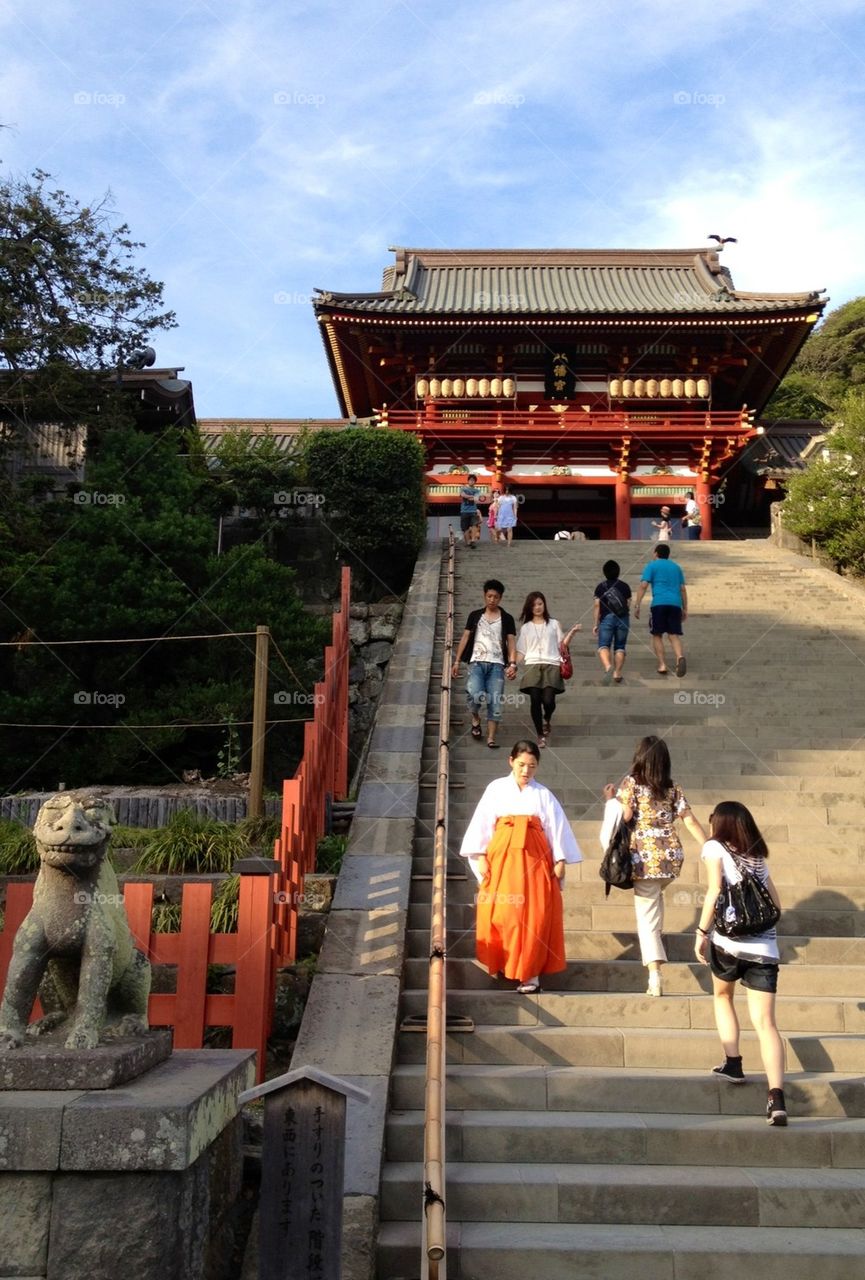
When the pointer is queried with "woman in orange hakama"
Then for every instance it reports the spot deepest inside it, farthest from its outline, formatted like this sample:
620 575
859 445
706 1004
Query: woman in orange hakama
518 844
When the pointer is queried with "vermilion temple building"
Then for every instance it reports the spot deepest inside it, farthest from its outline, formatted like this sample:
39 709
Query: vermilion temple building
598 384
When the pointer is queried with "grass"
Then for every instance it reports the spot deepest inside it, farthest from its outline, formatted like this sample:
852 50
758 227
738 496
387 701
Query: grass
18 853
134 838
329 854
226 902
259 833
192 843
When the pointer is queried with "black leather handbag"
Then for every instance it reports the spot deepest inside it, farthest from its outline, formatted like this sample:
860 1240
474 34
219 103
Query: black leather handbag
617 867
745 908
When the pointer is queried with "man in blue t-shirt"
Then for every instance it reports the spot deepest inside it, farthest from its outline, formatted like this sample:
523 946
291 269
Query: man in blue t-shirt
669 606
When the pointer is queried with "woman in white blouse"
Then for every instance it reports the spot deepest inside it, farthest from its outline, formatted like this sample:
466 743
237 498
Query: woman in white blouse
737 842
539 648
518 843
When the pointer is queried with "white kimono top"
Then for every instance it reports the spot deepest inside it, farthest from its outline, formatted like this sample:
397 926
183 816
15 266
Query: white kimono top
502 798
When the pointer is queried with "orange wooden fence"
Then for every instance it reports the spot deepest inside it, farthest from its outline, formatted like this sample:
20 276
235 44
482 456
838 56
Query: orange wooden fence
321 774
267 918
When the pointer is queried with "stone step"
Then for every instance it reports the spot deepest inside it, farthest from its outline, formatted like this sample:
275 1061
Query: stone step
571 1251
586 1046
790 872
584 944
630 1193
553 1088
831 914
687 891
506 1008
630 976
816 790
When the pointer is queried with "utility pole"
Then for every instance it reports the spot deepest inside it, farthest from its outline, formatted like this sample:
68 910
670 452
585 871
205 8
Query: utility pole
259 722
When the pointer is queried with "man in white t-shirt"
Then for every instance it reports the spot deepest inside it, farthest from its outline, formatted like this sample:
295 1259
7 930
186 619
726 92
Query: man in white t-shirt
692 519
489 644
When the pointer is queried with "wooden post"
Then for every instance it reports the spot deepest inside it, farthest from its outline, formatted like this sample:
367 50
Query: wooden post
704 498
259 722
302 1163
623 509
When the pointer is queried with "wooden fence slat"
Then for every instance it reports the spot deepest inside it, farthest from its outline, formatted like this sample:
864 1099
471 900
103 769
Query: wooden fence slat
253 984
138 900
19 899
192 968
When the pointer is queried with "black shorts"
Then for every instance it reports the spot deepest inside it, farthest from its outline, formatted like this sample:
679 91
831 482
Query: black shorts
759 975
665 619
467 522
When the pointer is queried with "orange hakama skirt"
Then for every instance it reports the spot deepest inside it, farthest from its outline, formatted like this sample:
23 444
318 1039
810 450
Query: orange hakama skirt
520 922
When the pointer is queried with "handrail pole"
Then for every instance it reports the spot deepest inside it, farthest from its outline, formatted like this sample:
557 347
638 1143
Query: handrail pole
433 1251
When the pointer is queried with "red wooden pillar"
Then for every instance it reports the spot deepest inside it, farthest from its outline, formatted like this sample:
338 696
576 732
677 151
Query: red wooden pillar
703 494
623 510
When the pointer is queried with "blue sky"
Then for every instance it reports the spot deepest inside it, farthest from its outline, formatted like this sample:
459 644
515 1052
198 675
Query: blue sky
261 150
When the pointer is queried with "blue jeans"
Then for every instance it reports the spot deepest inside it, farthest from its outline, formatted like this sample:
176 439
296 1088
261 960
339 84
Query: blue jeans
693 531
485 684
613 632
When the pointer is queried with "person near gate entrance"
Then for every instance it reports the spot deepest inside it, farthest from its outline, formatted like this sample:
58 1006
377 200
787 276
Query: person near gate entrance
669 606
506 518
664 526
489 643
693 518
469 495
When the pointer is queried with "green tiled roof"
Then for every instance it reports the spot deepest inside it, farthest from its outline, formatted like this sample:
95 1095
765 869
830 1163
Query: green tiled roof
563 281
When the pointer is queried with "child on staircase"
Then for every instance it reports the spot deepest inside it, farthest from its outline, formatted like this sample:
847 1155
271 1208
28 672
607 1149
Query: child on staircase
753 960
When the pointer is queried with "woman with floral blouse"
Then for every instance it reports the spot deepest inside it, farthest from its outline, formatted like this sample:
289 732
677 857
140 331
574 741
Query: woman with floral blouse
650 797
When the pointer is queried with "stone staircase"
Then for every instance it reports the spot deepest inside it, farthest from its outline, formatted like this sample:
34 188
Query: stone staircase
587 1136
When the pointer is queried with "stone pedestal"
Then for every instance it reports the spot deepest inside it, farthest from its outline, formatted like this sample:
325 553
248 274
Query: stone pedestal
130 1183
44 1063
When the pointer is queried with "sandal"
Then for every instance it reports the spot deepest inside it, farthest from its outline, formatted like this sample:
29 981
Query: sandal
476 731
528 988
493 746
542 742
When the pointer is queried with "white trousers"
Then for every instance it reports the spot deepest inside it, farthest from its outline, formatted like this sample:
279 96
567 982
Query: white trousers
649 909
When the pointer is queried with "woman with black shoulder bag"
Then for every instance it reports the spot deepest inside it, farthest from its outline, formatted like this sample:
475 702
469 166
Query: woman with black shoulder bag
735 852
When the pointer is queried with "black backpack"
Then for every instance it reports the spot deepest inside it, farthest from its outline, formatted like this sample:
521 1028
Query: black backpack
615 601
616 869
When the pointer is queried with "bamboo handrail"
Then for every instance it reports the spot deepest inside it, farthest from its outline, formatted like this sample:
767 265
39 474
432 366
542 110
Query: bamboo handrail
433 1260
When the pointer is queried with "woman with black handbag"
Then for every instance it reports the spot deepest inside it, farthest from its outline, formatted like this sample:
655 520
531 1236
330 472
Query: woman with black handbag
650 797
734 856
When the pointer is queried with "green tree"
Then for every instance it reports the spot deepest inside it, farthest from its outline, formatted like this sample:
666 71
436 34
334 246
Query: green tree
371 483
826 502
252 472
73 303
831 363
132 555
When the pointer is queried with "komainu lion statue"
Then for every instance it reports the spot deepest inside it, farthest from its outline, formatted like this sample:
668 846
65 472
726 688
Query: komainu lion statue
75 941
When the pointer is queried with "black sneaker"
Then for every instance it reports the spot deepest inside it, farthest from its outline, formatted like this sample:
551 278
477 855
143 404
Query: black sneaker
776 1111
730 1071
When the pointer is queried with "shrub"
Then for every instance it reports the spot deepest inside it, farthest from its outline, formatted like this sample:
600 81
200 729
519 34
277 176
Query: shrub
226 904
329 853
371 480
192 843
18 854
